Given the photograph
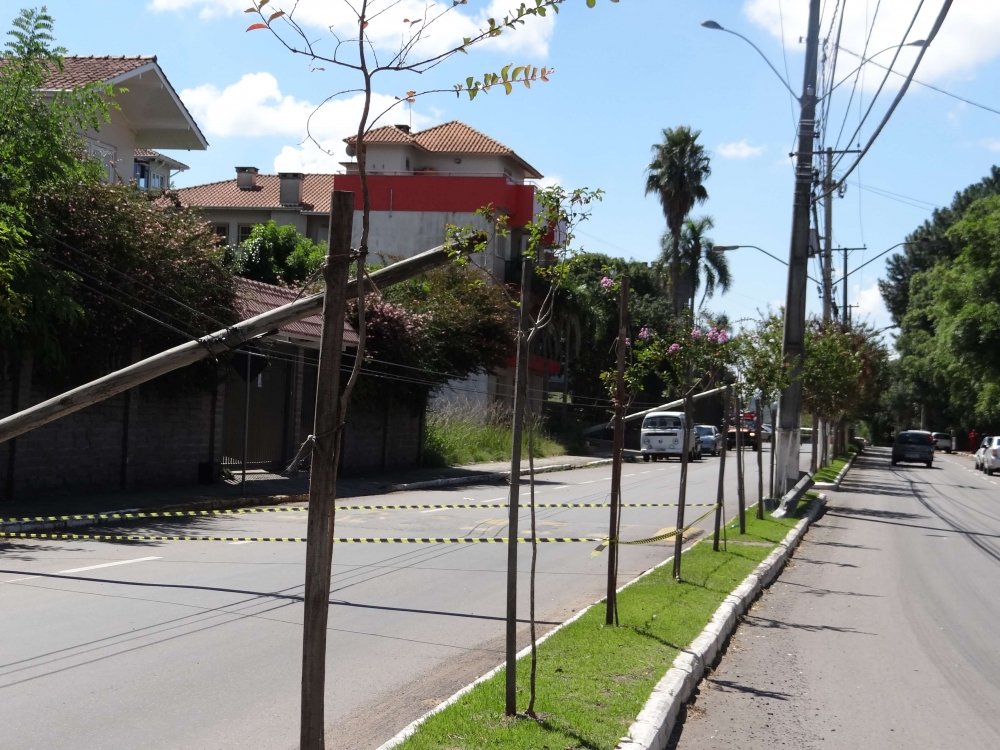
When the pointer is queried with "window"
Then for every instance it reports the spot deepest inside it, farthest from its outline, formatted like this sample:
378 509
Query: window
244 232
156 181
661 423
105 154
704 431
141 175
222 232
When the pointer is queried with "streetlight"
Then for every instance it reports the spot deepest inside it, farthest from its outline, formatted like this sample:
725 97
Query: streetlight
716 27
724 248
866 60
876 257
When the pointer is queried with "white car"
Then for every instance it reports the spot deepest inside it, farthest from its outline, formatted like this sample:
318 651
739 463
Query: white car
662 434
988 455
942 441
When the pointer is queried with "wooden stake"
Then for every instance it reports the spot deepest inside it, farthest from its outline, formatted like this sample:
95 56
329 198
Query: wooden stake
720 497
616 460
323 473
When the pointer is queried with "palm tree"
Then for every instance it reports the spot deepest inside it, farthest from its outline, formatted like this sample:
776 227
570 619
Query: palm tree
700 257
679 167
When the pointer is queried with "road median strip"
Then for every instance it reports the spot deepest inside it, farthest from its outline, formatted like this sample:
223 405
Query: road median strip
594 680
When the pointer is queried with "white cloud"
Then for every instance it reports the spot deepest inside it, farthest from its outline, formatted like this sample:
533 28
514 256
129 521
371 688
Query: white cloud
870 303
993 144
390 28
548 181
255 106
966 40
739 150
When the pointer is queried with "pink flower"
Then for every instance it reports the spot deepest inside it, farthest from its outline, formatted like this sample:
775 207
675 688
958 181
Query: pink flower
628 342
696 333
674 348
644 333
722 337
607 283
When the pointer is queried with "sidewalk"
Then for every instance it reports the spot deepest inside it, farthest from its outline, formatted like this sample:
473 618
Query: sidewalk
263 488
881 631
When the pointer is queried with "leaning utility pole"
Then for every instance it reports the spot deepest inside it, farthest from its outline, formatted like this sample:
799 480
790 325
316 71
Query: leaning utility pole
323 472
520 397
793 345
616 461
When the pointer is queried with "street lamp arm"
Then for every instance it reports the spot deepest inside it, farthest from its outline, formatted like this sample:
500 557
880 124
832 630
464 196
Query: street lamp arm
870 260
716 27
865 61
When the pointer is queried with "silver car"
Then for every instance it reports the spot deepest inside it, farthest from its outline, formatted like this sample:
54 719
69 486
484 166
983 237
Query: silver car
942 441
711 438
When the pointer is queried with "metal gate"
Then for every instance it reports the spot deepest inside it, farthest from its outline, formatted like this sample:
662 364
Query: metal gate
263 419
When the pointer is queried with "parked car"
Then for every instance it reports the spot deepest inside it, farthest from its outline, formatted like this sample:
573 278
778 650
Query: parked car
765 433
942 441
662 433
988 455
711 438
913 446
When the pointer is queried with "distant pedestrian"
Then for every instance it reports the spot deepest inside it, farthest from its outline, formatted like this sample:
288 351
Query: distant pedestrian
973 440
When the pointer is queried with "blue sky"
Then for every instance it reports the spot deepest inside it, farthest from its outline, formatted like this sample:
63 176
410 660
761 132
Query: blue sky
622 73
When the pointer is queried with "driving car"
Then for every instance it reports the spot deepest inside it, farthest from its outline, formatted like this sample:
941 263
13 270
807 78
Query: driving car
988 455
711 438
662 434
913 446
942 441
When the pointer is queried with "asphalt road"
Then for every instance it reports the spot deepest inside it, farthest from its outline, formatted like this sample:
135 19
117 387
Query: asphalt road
197 644
882 631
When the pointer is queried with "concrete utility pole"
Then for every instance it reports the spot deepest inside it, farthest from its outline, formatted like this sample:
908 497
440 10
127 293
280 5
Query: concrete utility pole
828 238
520 397
616 461
323 473
847 311
793 345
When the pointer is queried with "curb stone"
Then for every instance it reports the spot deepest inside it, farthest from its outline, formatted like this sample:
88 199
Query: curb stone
227 503
835 484
653 726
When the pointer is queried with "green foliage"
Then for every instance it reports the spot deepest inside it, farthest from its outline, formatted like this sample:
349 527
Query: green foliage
40 148
844 372
277 255
758 360
90 237
457 435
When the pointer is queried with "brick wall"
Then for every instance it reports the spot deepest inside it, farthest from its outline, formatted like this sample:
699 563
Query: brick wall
370 448
167 437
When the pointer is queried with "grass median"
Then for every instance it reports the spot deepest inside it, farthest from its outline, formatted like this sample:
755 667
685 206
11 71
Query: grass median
830 473
592 679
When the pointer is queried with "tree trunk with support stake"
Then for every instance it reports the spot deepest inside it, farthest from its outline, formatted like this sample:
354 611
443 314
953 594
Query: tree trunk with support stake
740 487
682 495
720 497
520 397
759 439
323 474
616 461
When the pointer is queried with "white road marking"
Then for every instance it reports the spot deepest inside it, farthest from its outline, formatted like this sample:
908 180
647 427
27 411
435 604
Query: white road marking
110 564
435 510
645 472
248 541
590 481
14 580
628 475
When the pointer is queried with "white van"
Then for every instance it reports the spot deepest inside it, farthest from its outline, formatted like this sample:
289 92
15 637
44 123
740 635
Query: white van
662 435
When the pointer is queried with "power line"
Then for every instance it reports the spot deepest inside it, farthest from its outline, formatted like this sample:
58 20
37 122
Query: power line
847 111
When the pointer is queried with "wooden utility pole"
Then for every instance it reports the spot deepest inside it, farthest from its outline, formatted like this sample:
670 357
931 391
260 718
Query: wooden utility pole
828 238
740 487
720 497
616 460
520 397
323 472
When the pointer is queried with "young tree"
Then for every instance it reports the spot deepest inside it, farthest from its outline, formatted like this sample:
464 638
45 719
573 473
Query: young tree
676 175
277 255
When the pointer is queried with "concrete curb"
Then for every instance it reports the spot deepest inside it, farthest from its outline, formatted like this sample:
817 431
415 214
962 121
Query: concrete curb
228 503
835 484
653 726
412 727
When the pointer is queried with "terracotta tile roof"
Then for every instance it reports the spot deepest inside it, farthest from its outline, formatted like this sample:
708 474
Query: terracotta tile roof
82 70
256 297
148 153
450 138
316 189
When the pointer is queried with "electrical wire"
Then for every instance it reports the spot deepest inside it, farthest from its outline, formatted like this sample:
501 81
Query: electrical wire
857 77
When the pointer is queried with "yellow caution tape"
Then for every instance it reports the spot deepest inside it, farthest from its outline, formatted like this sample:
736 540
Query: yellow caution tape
383 540
126 516
651 540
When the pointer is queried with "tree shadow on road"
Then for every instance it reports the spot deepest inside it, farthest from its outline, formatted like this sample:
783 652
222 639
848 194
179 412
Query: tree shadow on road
764 622
896 515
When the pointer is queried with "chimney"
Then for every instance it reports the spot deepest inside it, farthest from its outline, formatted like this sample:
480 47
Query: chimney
291 188
404 128
246 178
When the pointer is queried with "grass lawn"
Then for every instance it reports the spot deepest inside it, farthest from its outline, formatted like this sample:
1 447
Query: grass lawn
829 473
593 680
457 439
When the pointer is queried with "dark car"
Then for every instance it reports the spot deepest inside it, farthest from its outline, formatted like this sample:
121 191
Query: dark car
913 446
